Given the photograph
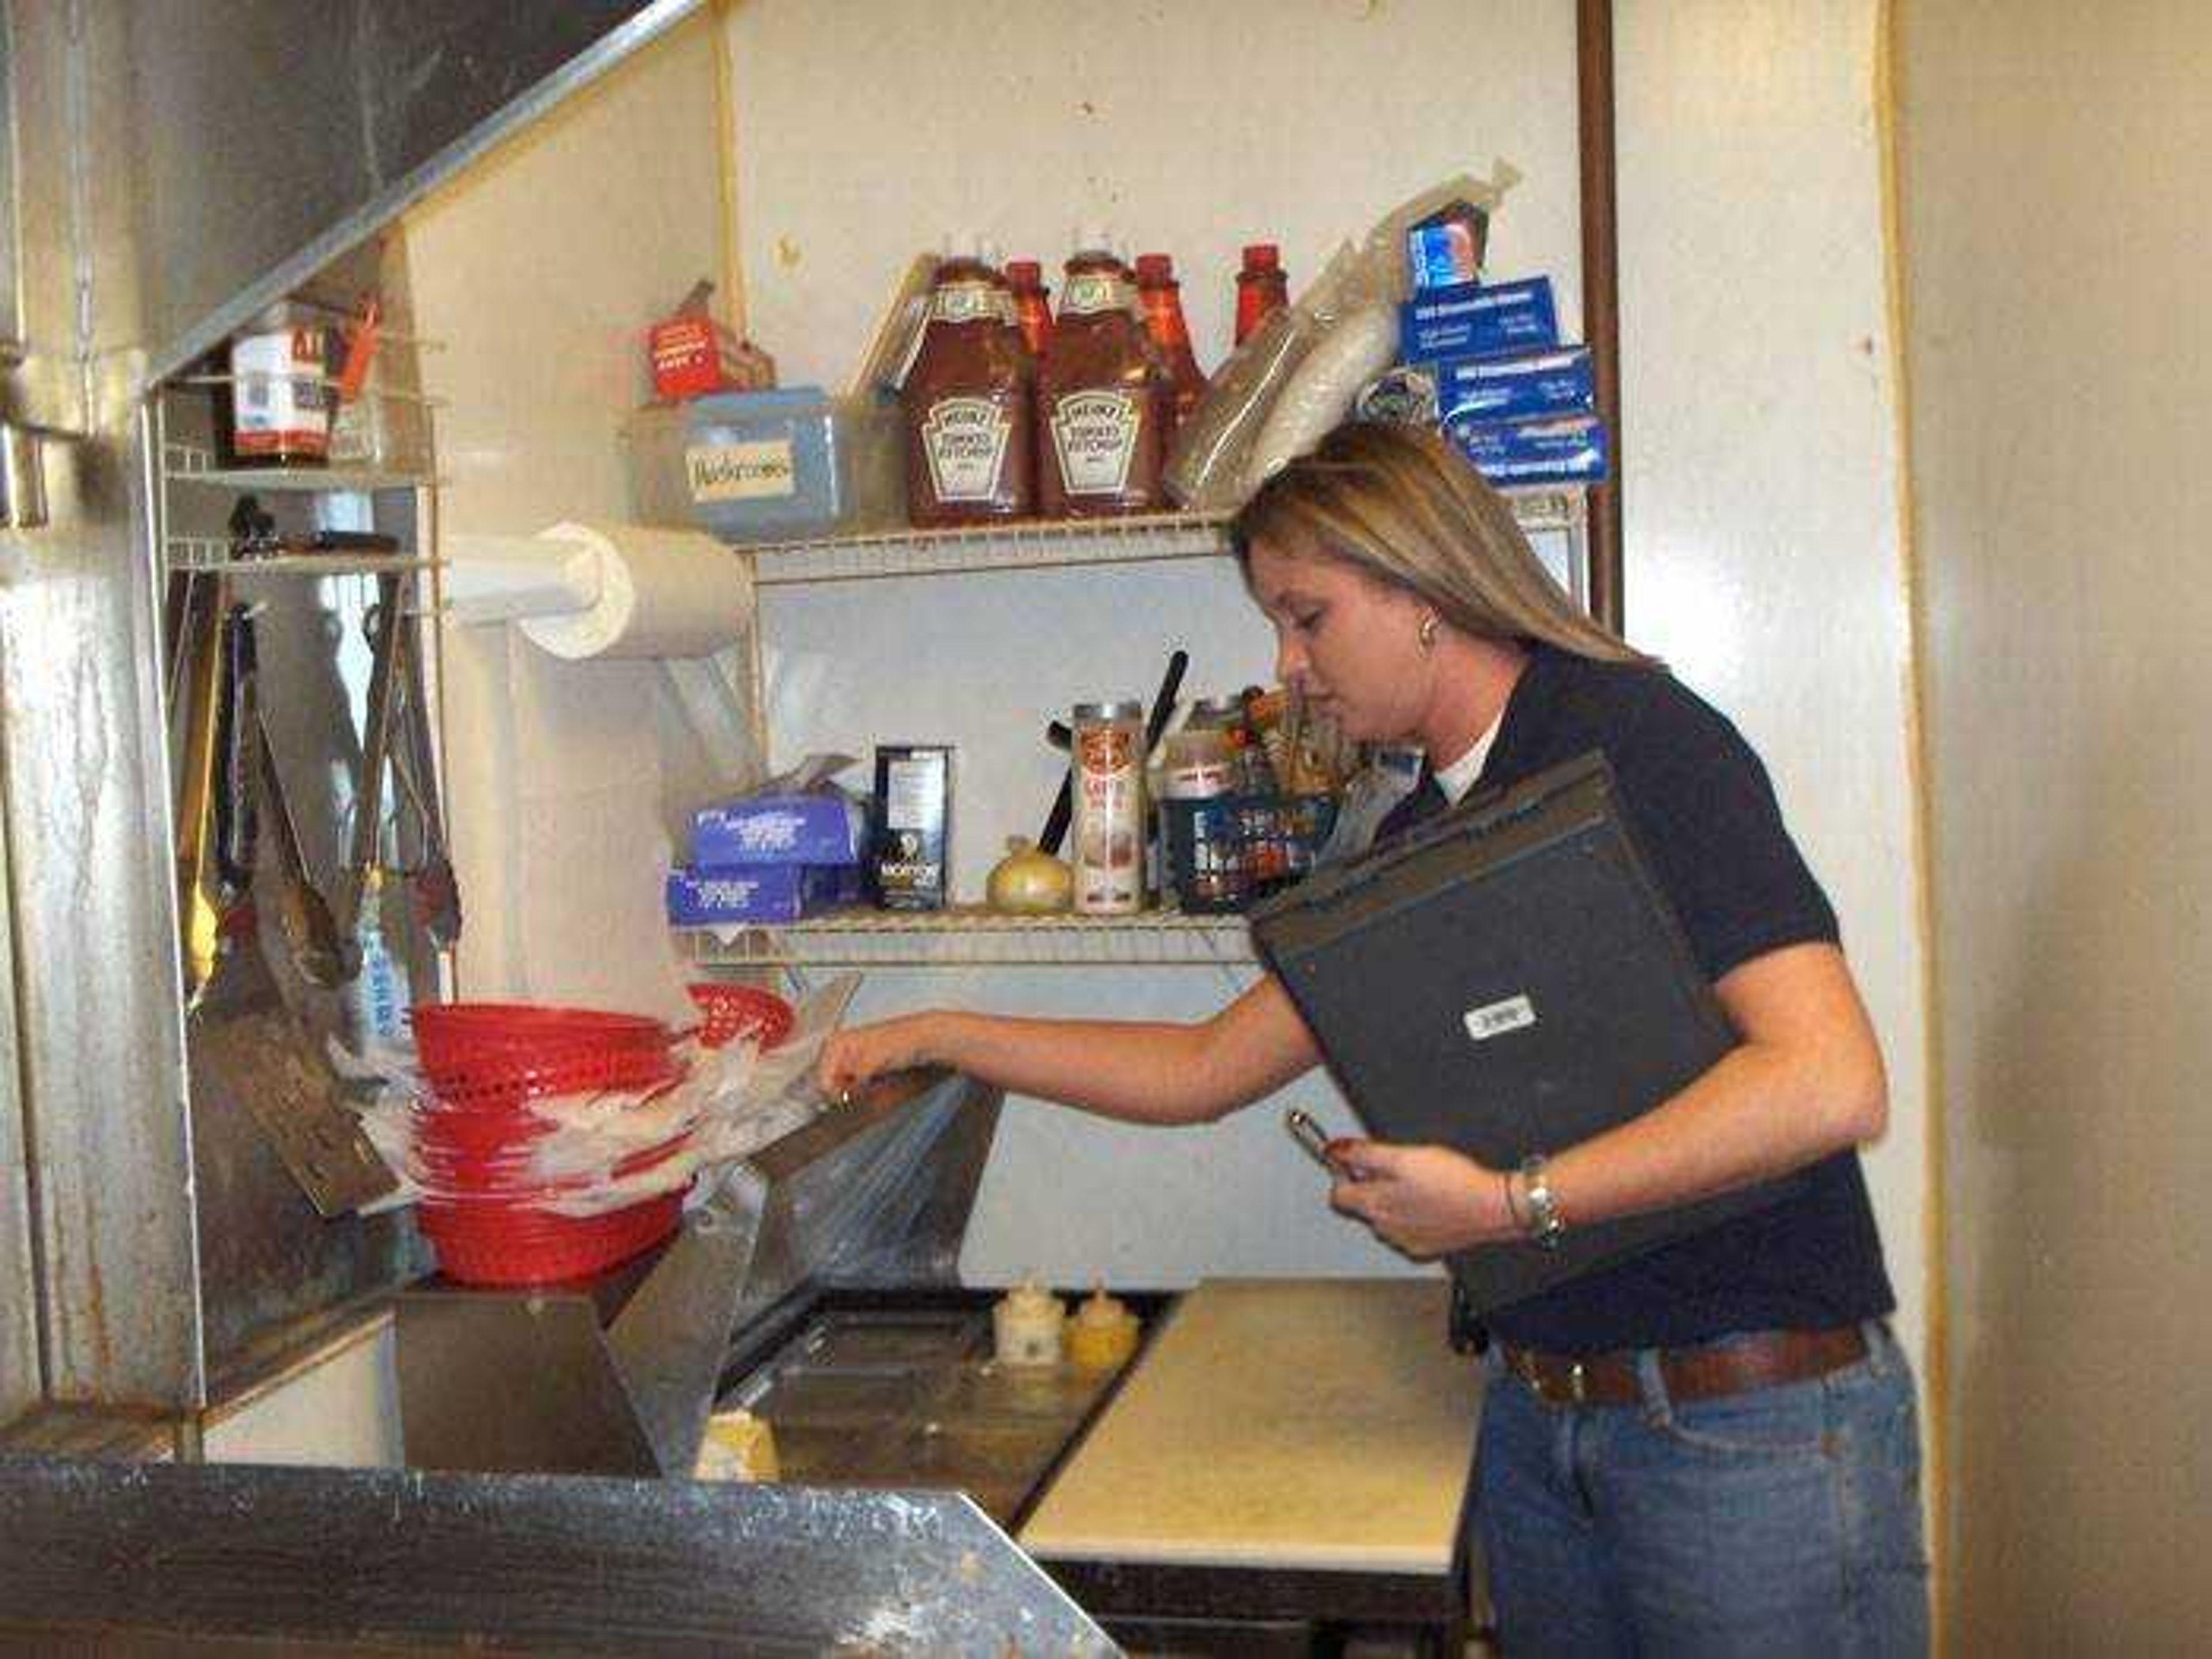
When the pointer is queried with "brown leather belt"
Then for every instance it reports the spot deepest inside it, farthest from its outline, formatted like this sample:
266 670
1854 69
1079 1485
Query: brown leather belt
1758 1359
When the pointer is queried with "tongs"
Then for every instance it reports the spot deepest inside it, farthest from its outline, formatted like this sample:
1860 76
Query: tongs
200 694
397 733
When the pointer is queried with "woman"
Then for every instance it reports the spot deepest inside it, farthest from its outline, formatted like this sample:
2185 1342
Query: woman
1711 1449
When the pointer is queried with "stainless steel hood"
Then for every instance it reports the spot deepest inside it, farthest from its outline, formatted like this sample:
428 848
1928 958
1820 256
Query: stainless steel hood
168 167
323 121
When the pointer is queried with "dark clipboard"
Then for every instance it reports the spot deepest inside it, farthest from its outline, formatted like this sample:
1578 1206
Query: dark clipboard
1508 979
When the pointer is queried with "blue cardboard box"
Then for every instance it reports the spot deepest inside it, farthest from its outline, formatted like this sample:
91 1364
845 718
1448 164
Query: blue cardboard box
1569 451
758 896
1476 320
827 827
1531 387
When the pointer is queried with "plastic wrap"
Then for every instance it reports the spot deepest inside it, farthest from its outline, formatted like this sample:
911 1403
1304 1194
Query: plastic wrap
1213 468
605 1149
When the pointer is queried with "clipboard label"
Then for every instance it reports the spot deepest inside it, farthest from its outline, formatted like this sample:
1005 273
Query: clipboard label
1497 1018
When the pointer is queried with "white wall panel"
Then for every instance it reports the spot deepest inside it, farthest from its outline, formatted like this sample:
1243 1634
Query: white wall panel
1761 472
868 129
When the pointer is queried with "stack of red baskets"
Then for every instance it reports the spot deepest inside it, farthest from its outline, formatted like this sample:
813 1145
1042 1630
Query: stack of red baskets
486 1063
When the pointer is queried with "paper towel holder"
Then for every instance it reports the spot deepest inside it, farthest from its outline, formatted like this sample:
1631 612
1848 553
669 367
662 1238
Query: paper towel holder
491 580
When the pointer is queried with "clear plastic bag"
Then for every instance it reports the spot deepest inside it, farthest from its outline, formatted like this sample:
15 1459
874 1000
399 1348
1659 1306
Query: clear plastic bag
729 1104
1213 471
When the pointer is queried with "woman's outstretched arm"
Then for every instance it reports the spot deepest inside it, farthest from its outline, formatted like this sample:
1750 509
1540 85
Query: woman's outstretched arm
1142 1072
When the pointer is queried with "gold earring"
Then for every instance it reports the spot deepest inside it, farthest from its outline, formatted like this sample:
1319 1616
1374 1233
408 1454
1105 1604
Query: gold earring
1428 634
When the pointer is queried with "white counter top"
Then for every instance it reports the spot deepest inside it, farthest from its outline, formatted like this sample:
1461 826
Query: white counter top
1316 1424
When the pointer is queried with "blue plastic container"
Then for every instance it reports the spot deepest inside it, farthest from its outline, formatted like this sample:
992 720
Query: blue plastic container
776 465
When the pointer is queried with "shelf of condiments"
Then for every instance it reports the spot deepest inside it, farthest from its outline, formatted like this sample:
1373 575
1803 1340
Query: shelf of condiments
313 396
1163 829
981 408
979 405
1046 545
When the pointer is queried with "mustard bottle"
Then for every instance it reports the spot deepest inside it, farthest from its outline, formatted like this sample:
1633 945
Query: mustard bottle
1102 1334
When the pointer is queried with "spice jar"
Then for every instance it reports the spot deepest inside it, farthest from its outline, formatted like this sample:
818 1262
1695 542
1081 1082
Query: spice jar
1103 1335
1107 760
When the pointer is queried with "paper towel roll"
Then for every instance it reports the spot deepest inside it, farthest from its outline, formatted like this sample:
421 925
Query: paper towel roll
661 593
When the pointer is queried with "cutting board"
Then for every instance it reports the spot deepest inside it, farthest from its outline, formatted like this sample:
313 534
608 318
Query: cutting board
1313 1424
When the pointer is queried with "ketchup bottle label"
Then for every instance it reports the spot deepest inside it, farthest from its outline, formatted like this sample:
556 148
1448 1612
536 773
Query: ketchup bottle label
965 439
964 302
1094 434
1092 291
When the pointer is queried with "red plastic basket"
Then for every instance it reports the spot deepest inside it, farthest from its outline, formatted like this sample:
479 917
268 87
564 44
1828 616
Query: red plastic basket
485 1063
453 1032
732 1012
502 1079
535 1247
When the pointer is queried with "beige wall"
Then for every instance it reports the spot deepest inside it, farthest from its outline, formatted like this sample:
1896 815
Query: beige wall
1761 472
2060 362
538 270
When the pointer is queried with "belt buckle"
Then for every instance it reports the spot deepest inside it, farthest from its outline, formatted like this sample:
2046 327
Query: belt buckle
1548 1385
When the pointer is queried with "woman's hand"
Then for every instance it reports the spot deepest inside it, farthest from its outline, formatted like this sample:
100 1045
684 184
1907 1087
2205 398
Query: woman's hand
854 1057
1424 1200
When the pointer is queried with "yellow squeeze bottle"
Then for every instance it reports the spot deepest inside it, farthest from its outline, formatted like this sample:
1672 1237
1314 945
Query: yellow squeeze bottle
1102 1334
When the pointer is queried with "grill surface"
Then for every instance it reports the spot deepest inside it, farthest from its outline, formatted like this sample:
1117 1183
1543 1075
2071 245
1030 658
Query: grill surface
901 1391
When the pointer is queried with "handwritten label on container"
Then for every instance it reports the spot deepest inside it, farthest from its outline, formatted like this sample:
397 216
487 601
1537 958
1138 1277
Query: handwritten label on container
741 472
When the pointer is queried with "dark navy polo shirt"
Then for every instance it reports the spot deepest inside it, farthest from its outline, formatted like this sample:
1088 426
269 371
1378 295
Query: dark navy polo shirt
1704 813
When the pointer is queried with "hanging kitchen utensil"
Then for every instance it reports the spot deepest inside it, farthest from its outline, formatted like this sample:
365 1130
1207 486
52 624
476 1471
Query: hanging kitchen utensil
430 878
382 624
179 599
200 910
238 729
321 954
1163 700
248 1050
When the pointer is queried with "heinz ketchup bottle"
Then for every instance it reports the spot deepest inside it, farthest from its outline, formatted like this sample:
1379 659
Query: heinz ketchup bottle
1262 286
1161 296
1032 303
1098 408
967 405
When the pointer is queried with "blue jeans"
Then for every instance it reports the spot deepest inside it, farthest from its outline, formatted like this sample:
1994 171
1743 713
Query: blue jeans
1779 1521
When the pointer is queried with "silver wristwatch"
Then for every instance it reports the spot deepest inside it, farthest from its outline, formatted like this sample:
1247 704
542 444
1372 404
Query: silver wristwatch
1547 1226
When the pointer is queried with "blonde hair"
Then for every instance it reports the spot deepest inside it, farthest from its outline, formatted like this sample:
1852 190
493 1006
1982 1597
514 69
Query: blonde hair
1399 503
